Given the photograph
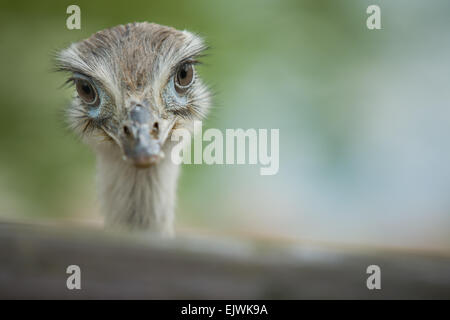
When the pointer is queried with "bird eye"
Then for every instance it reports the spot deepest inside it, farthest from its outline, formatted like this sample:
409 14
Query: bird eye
184 77
87 92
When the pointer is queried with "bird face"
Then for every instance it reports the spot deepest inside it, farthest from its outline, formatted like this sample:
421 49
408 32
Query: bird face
134 85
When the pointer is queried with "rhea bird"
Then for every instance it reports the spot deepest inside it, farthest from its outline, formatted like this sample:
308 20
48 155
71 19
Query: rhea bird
135 84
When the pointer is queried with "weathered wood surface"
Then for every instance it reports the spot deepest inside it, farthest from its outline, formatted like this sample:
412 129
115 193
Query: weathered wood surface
33 262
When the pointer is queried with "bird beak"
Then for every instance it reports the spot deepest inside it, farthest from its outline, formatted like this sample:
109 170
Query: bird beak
143 135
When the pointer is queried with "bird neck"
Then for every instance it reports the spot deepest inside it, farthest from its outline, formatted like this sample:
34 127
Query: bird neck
133 198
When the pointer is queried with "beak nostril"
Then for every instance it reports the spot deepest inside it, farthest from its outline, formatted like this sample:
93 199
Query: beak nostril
126 130
156 127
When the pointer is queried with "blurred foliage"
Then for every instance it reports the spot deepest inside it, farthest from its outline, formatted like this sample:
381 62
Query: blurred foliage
45 165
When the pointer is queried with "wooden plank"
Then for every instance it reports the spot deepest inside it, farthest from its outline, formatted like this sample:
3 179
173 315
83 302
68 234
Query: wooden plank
33 262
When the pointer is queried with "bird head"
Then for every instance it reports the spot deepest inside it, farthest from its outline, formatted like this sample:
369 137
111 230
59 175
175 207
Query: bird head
135 84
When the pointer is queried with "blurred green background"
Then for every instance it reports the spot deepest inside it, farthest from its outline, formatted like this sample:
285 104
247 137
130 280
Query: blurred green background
364 117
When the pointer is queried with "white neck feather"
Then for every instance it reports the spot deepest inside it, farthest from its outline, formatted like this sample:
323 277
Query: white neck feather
135 198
